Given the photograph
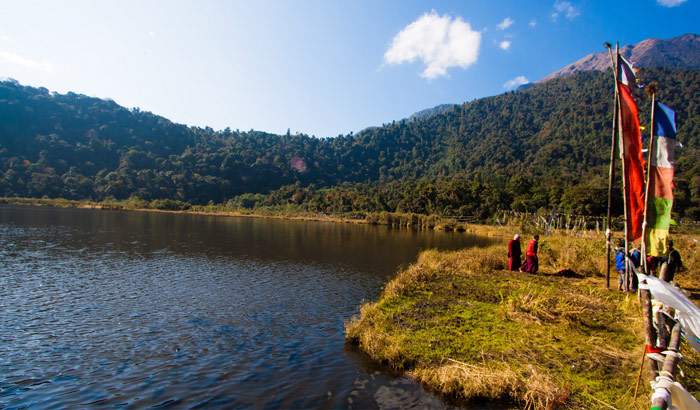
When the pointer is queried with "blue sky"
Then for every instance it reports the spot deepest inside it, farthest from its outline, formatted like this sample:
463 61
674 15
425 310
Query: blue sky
319 67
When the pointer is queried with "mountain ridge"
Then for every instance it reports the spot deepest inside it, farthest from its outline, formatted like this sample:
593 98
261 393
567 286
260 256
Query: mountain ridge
678 52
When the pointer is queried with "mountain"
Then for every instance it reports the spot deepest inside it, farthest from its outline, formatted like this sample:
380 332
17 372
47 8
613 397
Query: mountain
677 52
428 112
546 146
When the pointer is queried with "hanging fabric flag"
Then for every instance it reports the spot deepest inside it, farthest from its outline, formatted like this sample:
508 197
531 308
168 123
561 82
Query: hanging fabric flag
626 74
661 180
687 313
664 121
631 137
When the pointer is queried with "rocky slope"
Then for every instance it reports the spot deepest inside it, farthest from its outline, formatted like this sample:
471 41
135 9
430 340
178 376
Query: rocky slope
677 52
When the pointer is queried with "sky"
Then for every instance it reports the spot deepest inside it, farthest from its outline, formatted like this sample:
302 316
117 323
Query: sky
317 67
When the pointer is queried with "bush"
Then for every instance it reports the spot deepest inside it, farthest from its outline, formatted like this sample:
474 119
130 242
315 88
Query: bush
169 205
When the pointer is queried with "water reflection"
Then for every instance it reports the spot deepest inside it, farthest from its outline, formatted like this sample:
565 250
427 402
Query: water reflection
127 309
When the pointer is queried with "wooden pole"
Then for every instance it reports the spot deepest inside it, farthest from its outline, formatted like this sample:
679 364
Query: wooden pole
639 376
551 220
664 323
668 372
611 172
652 90
650 332
662 332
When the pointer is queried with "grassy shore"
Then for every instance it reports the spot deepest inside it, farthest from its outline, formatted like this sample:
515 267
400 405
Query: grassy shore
466 328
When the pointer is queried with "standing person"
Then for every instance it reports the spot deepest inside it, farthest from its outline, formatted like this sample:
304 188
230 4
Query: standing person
514 253
635 256
620 265
674 261
652 264
635 261
531 263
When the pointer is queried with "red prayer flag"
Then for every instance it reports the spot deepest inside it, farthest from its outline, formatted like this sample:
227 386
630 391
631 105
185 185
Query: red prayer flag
631 137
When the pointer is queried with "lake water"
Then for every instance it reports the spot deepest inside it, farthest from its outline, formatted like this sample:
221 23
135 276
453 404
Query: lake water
109 309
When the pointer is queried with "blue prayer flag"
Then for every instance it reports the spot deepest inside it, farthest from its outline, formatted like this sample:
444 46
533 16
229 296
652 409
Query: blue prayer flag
664 121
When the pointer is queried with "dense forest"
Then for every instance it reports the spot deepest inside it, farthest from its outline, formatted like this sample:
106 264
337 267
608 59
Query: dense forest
538 148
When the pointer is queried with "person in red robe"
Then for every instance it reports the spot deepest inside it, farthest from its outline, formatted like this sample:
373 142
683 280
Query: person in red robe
531 263
514 253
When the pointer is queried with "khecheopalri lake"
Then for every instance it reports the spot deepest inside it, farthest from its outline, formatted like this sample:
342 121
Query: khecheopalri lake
112 309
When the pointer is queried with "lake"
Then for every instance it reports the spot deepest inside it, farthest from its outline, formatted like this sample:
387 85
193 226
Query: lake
112 309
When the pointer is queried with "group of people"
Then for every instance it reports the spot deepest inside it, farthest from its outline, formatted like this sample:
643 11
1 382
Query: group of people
531 263
672 261
635 257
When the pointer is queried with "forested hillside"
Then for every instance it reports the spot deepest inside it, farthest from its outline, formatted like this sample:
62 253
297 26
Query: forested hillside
546 146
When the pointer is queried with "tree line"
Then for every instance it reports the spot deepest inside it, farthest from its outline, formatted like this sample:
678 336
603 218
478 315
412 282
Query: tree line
543 147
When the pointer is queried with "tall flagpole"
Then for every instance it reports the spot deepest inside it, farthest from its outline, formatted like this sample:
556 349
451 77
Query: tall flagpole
611 174
623 151
650 333
651 90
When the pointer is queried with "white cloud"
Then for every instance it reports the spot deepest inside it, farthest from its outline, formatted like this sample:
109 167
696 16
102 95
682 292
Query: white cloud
26 62
670 3
533 23
151 34
515 82
507 22
439 42
504 45
565 8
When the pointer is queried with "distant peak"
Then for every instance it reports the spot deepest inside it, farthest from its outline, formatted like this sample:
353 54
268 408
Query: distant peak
678 52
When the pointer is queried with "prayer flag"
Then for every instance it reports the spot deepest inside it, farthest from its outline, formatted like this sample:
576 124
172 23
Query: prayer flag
661 180
625 73
631 137
664 121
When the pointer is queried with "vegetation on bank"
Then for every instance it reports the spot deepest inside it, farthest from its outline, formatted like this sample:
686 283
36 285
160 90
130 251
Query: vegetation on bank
468 329
410 220
405 220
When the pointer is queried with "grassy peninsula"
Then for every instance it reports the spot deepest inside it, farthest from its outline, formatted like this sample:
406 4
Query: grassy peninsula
468 329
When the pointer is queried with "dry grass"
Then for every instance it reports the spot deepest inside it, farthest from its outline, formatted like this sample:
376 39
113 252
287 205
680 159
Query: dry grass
366 330
432 262
553 303
529 385
466 380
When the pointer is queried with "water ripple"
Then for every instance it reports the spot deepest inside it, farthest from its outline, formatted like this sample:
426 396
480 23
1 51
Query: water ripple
127 310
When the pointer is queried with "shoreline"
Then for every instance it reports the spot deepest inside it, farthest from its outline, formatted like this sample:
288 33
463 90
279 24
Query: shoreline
117 206
410 221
